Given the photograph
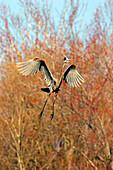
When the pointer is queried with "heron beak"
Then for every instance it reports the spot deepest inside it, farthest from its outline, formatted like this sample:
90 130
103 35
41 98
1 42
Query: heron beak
68 60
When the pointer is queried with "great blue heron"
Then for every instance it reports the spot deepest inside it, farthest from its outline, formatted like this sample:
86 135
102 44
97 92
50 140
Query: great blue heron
69 73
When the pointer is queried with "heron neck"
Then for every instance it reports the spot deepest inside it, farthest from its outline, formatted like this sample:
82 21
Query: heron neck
61 75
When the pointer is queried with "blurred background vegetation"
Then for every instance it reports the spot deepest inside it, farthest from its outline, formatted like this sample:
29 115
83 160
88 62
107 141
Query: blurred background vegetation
81 134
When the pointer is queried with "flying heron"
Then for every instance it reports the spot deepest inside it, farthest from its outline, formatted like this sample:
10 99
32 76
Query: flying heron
69 73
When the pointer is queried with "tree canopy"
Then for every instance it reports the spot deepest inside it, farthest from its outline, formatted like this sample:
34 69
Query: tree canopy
81 134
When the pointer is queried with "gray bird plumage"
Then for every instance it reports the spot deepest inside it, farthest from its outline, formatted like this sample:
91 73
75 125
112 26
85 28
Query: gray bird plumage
32 67
69 73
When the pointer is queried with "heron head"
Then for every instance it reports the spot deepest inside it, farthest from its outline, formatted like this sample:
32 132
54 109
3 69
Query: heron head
66 59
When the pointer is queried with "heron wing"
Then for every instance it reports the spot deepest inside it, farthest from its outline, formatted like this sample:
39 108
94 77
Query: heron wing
32 66
72 76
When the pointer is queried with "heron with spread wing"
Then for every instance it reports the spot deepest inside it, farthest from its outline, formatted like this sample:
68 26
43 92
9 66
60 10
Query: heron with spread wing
69 73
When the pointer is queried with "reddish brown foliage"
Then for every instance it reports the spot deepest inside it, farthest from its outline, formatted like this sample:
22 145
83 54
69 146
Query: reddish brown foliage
80 135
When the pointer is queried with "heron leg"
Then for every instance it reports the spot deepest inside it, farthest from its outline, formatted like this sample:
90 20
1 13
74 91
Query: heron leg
40 115
52 115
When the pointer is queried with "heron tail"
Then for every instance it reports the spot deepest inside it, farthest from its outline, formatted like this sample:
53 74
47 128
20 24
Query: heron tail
47 90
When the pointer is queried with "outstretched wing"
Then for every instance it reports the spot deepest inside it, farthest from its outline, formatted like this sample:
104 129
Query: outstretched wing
72 77
32 66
